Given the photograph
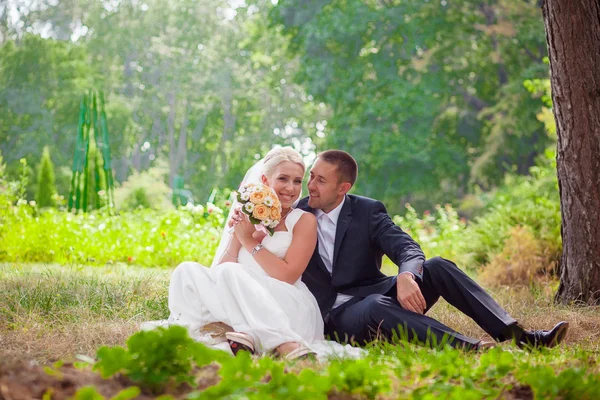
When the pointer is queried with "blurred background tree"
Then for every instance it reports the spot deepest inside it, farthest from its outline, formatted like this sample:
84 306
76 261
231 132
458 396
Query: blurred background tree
428 96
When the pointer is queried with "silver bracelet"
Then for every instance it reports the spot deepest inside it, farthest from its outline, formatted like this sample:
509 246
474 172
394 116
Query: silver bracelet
226 252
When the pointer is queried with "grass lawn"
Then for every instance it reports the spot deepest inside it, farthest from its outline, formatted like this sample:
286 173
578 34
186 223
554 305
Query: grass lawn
53 312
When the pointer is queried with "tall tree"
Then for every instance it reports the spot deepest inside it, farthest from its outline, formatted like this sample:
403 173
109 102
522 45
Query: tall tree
573 36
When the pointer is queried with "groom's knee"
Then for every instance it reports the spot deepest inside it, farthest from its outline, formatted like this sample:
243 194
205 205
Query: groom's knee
437 264
374 306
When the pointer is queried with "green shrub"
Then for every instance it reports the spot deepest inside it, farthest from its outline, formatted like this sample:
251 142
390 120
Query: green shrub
138 198
145 189
529 201
46 186
155 358
522 261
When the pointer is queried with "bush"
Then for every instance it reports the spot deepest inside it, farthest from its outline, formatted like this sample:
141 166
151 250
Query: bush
46 187
522 261
527 201
157 357
137 199
145 189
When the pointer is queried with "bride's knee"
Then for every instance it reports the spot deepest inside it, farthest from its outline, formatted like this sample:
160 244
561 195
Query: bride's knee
227 269
186 268
231 272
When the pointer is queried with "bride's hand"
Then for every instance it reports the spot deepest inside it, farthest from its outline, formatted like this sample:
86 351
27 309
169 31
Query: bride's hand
243 227
235 218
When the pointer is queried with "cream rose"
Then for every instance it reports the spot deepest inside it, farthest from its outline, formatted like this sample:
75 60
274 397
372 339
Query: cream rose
275 213
261 212
258 197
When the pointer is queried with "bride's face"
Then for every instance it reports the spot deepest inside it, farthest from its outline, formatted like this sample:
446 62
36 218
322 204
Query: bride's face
286 180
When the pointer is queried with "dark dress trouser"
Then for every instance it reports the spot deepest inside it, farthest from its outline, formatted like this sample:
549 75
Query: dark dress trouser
381 314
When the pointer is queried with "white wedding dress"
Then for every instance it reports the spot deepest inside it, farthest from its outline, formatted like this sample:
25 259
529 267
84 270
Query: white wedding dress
243 296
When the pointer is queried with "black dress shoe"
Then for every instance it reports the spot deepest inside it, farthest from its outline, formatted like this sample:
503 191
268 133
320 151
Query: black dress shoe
541 338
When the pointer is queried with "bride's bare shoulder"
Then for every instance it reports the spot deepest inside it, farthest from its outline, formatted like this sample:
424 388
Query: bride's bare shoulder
307 221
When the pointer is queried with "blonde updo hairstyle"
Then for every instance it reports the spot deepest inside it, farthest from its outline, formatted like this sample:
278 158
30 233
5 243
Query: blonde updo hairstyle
278 155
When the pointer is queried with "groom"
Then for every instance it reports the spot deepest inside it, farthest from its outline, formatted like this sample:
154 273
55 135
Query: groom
358 301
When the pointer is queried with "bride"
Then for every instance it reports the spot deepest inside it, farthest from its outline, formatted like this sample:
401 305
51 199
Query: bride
254 283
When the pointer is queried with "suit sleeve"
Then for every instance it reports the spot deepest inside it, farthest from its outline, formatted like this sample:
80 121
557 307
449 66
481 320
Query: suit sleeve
395 243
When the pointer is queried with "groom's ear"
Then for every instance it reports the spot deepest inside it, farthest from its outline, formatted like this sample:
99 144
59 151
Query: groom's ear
345 187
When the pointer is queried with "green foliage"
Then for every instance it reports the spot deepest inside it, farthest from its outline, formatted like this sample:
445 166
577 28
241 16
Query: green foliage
416 372
90 393
155 358
438 233
145 189
530 201
143 237
361 377
50 295
41 81
6 190
572 383
428 96
46 191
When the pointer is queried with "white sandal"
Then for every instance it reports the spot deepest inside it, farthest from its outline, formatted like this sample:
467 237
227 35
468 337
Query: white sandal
301 352
240 341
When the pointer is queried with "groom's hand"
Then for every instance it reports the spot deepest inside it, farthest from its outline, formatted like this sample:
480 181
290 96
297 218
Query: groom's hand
409 295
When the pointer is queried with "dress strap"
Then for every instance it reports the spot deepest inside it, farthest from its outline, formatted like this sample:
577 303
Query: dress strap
292 218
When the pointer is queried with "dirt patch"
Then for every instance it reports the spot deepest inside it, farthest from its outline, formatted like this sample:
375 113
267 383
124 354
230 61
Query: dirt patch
520 392
26 381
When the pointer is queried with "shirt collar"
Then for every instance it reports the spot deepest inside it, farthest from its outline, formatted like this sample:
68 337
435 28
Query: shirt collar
334 214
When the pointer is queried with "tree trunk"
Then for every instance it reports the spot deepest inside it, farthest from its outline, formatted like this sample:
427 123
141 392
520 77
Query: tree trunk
573 36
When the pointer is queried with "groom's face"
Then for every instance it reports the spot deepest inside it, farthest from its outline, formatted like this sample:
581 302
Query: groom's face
324 187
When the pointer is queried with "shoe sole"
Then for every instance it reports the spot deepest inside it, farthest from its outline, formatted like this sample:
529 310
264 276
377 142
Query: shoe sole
560 335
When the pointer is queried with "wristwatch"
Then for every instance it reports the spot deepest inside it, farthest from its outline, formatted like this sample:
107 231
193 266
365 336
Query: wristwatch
256 249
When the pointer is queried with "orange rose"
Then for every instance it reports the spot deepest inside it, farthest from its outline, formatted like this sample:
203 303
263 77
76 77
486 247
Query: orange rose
257 197
261 212
275 213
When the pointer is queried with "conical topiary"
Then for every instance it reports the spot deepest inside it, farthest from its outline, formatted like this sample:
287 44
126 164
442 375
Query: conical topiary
92 184
46 185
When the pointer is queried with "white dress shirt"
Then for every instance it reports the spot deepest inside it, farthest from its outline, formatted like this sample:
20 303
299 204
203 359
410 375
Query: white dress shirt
326 228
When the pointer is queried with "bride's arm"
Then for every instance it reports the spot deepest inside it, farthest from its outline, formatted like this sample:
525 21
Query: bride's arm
297 257
231 251
233 247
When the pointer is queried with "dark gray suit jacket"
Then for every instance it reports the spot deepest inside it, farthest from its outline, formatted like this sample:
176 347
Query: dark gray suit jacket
364 233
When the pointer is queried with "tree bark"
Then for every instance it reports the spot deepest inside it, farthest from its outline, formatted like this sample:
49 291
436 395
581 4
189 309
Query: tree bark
573 37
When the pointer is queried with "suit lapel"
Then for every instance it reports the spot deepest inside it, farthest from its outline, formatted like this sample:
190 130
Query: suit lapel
342 224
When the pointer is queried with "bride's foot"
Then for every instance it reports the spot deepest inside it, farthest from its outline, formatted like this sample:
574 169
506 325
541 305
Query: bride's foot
295 351
216 329
240 341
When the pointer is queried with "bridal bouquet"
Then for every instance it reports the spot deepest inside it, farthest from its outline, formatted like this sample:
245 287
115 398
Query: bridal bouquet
261 204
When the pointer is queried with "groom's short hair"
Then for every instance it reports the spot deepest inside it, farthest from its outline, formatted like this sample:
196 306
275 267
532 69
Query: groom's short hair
345 163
